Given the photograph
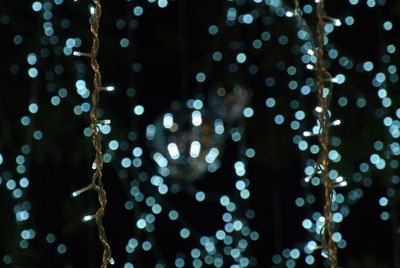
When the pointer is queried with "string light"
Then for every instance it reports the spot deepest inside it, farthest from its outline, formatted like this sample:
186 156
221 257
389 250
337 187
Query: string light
108 88
335 21
89 217
82 54
321 74
97 183
323 95
104 122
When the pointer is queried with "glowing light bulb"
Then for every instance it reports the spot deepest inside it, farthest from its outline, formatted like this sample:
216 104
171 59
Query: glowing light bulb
339 179
318 109
173 151
168 120
108 88
337 22
88 218
337 122
307 133
315 247
78 192
195 149
341 184
289 14
310 66
104 122
81 54
196 118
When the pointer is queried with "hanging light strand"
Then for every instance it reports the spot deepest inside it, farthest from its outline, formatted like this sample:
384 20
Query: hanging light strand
96 141
324 83
322 77
96 181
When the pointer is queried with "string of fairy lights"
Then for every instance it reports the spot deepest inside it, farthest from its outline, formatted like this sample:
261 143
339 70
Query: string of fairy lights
186 143
323 84
96 181
359 176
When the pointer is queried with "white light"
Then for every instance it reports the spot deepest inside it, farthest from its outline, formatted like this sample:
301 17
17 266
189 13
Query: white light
104 122
219 126
339 179
196 118
318 109
307 133
160 160
88 218
78 192
337 122
168 120
337 22
92 10
310 52
173 150
83 54
195 149
111 261
342 184
289 14
307 179
108 88
312 245
310 66
212 155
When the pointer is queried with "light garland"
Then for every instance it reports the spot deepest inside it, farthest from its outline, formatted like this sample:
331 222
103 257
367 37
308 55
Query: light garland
321 167
97 183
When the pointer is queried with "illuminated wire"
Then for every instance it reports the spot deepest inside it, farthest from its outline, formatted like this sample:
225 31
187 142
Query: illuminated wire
96 181
323 83
322 75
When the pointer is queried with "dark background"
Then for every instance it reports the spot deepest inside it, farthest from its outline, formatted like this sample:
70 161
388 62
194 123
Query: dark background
168 47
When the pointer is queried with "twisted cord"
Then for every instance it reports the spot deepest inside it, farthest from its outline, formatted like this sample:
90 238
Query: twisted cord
97 183
322 75
323 80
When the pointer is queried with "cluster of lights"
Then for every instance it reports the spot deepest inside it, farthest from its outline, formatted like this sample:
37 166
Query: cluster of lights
384 78
379 159
314 170
177 139
18 179
127 156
